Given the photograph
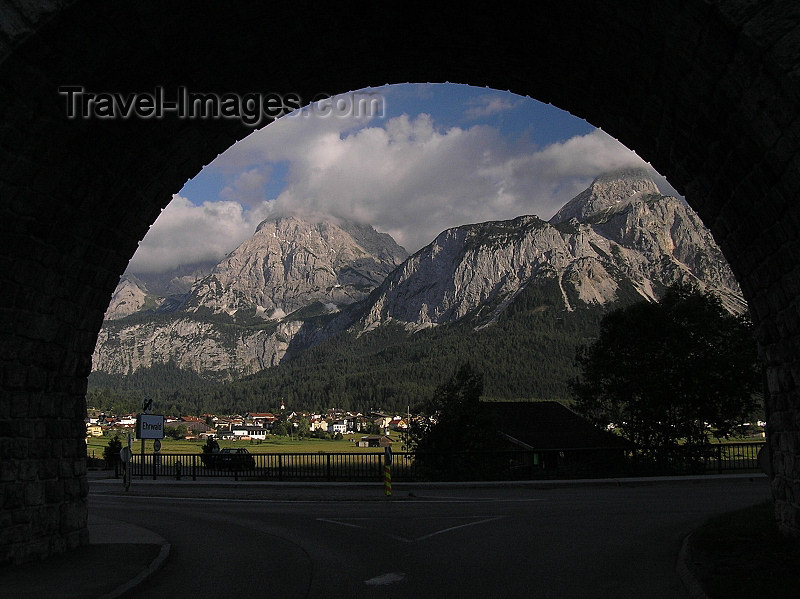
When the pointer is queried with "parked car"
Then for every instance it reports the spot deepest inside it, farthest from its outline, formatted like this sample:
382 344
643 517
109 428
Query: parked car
232 458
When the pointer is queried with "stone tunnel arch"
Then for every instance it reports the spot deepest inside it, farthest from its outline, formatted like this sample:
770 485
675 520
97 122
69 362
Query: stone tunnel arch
705 90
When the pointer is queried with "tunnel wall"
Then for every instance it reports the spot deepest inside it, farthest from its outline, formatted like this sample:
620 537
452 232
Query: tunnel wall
705 91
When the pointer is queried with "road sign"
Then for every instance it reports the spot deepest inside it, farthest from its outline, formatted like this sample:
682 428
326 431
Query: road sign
125 455
147 406
149 426
156 445
388 456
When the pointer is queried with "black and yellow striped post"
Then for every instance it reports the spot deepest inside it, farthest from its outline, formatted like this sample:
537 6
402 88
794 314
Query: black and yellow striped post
387 472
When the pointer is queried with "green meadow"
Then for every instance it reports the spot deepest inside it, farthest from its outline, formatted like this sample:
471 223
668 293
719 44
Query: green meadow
95 445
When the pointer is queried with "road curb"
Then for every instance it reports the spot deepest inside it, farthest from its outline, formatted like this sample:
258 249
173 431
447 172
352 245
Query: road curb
151 569
535 484
686 573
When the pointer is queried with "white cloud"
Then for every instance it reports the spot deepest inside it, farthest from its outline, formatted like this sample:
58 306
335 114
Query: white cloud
185 234
488 105
411 179
248 187
404 175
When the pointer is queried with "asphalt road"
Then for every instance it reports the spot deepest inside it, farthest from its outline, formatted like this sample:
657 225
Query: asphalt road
574 541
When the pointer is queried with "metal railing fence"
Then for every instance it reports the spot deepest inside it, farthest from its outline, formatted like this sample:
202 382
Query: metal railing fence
568 463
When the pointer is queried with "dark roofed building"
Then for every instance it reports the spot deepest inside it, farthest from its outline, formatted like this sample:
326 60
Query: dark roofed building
558 441
548 425
375 441
195 425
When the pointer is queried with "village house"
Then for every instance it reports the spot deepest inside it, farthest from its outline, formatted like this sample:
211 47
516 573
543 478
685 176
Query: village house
382 420
194 425
265 419
251 431
222 424
339 426
123 424
375 441
318 423
563 440
398 424
94 430
359 423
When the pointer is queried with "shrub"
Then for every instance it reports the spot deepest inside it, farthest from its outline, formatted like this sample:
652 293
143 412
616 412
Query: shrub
111 451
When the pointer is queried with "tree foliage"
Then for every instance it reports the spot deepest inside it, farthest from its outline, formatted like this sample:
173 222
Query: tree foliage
111 451
210 448
177 432
279 429
664 370
528 352
211 445
303 429
450 428
449 420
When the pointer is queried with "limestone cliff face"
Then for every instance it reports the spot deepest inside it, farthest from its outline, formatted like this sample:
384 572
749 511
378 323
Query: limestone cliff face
606 193
234 321
191 344
618 240
290 263
129 297
161 292
620 235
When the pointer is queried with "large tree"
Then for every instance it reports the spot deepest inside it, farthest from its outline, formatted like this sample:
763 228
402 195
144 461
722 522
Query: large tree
664 371
449 419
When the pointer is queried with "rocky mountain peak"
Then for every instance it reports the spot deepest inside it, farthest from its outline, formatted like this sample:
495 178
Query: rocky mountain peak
130 296
291 262
607 192
618 240
293 267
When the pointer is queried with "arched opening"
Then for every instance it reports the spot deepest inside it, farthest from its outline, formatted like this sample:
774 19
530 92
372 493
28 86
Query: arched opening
432 158
706 93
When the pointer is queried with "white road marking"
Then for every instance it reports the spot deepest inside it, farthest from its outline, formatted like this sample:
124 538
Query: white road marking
347 522
385 579
452 528
340 523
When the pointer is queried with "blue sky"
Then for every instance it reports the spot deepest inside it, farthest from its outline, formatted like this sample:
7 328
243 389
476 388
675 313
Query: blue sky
515 117
434 156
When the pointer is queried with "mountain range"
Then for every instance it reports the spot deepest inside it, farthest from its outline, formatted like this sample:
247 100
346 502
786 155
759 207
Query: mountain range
619 238
299 285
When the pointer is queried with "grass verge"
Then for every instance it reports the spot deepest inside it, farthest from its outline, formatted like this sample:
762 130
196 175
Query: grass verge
742 554
95 445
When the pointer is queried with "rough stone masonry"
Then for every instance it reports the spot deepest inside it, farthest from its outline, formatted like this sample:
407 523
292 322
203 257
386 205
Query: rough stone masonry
705 90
